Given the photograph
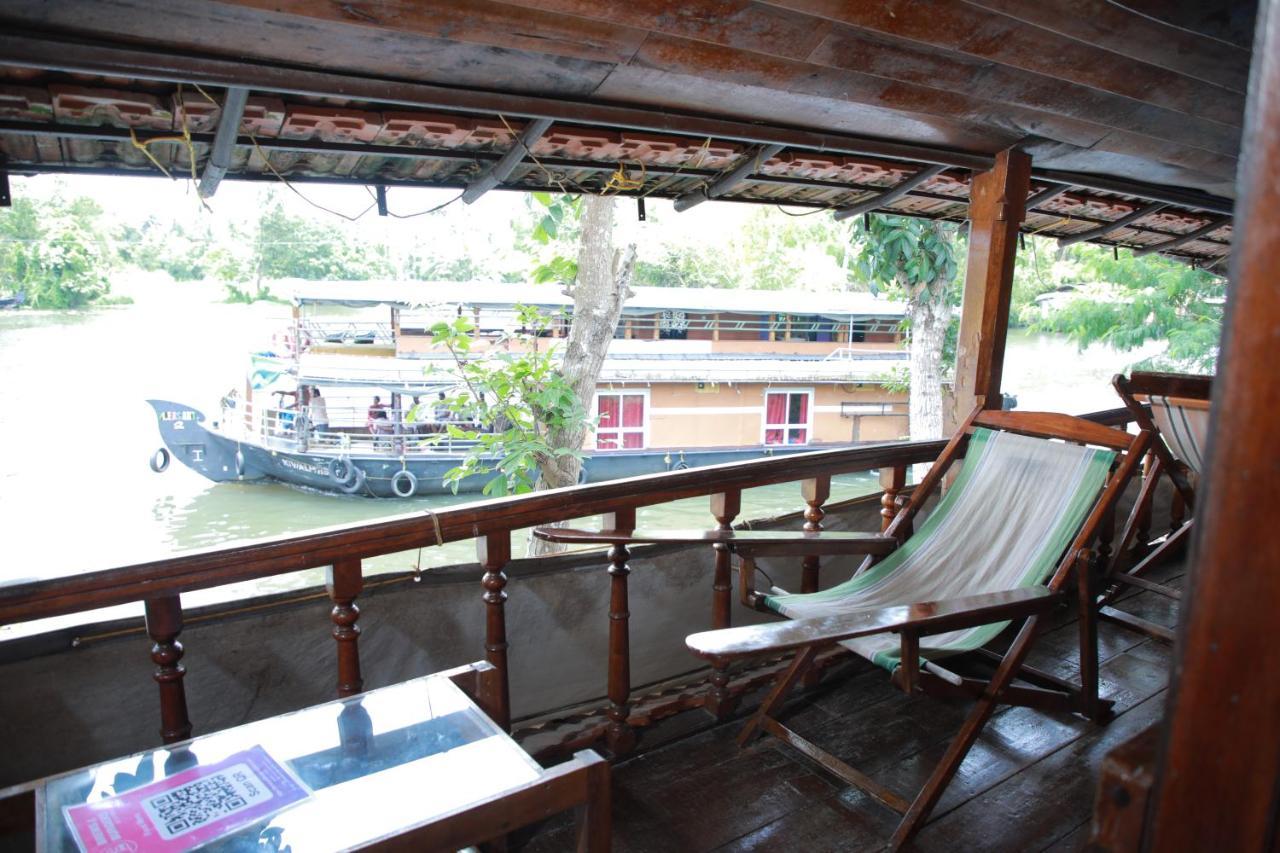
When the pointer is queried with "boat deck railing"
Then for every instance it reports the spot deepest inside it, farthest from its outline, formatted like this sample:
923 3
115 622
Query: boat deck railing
344 549
397 434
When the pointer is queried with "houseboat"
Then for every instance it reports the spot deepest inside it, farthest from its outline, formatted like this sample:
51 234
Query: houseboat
346 399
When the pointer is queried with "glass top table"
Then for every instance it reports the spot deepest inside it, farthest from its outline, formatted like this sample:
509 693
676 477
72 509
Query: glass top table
341 775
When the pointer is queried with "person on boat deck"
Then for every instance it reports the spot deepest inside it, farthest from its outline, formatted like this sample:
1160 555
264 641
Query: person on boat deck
415 416
441 412
374 411
318 412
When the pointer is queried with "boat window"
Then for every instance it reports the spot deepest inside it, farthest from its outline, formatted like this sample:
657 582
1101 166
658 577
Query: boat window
622 421
787 417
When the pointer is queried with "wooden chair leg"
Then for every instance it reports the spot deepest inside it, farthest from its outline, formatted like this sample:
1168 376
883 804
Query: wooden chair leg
785 684
933 789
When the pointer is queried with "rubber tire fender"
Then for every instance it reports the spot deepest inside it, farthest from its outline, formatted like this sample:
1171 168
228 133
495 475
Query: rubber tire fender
342 471
160 460
404 474
356 483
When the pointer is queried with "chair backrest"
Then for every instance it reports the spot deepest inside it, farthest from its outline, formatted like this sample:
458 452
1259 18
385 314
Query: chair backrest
1019 509
1179 410
1011 513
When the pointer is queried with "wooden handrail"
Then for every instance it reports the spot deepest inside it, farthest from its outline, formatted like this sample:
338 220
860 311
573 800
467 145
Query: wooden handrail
219 566
343 549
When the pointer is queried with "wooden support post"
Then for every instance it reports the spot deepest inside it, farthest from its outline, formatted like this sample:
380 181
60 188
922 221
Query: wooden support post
715 327
344 580
1220 762
494 552
892 480
164 624
619 735
997 202
816 492
725 507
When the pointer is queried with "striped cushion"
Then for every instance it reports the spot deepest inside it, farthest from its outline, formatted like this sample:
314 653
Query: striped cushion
1005 523
1184 428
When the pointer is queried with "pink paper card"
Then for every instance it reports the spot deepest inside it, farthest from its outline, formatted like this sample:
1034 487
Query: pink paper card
187 809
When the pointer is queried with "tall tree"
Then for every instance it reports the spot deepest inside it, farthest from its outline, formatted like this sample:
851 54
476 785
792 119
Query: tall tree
54 252
915 260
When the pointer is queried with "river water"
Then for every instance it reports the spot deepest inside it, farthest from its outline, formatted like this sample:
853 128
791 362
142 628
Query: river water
76 493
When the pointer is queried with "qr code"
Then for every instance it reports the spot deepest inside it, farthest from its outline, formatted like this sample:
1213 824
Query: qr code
200 801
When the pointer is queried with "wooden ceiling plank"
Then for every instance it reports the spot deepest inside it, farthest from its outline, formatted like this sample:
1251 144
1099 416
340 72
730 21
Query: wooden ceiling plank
1208 118
1110 26
474 22
982 33
712 62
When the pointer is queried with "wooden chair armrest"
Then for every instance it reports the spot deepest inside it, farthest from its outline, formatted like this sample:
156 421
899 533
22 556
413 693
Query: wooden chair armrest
923 618
788 544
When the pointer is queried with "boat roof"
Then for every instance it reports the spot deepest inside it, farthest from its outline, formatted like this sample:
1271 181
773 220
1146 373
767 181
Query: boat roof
414 375
644 300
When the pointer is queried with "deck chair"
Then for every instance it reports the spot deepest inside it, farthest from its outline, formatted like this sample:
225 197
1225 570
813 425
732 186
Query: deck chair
1000 546
1179 419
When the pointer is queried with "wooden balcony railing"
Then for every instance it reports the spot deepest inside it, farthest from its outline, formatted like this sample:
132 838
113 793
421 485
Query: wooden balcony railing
343 549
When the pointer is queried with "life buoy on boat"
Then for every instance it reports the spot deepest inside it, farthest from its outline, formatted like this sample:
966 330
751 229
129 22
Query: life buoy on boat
342 471
355 484
160 460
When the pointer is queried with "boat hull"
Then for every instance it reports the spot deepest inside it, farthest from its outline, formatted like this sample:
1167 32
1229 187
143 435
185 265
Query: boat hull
223 459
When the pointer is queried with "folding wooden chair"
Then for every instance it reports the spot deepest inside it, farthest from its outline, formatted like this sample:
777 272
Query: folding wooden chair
1179 419
999 546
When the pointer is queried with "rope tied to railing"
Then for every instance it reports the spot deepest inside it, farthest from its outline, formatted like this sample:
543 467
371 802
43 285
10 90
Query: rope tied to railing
435 522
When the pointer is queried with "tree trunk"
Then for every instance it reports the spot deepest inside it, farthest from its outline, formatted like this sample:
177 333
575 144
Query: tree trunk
928 318
601 289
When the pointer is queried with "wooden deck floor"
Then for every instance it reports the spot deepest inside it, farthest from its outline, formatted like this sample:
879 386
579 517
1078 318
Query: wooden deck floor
1027 785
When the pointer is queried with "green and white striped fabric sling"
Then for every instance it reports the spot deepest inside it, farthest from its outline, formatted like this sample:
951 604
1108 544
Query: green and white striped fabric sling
1003 524
1184 428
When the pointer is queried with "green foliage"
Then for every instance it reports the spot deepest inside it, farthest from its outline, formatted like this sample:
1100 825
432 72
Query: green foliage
912 259
54 252
515 393
280 245
1130 302
556 231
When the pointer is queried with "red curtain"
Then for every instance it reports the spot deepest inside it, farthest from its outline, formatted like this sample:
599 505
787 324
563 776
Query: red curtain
608 411
633 410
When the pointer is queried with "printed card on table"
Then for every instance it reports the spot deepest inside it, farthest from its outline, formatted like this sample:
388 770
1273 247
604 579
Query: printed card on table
187 809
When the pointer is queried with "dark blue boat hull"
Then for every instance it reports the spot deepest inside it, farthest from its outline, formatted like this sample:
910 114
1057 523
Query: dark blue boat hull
223 459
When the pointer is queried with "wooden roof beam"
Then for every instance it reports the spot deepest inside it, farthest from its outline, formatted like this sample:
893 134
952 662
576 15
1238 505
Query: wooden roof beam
1203 231
891 194
224 140
498 172
751 162
1107 228
1047 195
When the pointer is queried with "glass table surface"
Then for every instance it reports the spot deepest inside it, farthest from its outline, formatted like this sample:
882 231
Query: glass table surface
373 764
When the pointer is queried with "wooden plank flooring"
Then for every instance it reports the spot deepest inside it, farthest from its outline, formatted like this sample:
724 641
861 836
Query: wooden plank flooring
1027 785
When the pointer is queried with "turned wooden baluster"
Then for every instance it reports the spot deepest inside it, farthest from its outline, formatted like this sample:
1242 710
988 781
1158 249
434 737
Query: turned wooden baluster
620 736
816 492
725 507
344 580
1142 536
164 624
494 552
892 480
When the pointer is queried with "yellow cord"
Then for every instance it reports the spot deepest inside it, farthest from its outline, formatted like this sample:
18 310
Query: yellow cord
620 181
